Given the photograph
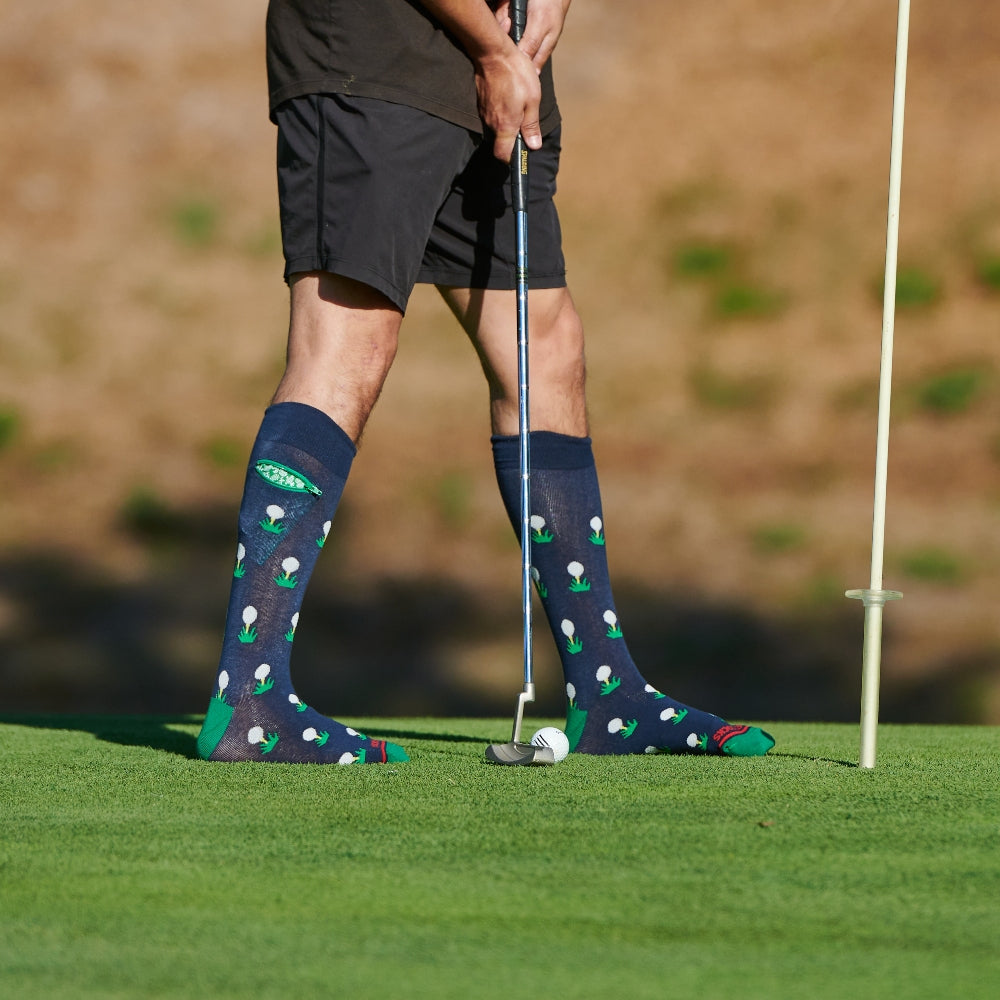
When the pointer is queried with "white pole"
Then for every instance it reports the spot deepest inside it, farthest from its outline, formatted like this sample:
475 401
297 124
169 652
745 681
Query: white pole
875 597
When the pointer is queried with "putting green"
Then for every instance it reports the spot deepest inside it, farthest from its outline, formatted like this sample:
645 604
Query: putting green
132 869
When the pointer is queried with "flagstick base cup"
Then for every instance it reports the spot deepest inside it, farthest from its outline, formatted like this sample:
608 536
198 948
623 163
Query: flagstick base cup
874 601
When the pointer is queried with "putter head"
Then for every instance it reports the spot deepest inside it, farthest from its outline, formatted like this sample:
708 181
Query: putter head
523 754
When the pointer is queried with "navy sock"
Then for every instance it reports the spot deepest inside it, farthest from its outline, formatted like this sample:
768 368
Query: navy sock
611 708
297 472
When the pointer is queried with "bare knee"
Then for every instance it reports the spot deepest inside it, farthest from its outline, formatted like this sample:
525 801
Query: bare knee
558 372
557 348
342 339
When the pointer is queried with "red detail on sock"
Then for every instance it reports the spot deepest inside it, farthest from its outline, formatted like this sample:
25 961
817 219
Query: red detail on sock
726 733
380 745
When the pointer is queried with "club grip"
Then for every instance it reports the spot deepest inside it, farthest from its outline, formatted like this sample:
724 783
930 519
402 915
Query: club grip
518 18
519 161
519 176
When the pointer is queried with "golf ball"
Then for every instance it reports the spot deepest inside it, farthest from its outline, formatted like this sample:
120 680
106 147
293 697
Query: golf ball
553 738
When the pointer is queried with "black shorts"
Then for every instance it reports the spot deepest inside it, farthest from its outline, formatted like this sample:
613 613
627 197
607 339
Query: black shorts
388 195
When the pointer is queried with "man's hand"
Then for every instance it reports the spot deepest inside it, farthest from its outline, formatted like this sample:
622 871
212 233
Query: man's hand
545 24
509 94
507 85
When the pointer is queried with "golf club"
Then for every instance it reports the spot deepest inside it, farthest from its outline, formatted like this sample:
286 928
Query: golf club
874 597
517 752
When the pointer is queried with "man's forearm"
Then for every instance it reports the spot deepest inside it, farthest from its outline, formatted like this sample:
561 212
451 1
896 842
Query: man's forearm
473 24
507 85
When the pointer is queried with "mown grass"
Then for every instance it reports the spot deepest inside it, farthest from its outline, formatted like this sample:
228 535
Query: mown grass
132 870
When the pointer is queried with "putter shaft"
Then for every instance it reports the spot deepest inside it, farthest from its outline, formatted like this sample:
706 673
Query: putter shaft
517 752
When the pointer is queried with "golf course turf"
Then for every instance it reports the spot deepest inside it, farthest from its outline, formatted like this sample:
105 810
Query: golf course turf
132 869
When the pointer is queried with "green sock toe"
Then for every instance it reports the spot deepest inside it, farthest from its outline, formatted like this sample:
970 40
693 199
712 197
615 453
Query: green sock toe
751 742
394 752
214 727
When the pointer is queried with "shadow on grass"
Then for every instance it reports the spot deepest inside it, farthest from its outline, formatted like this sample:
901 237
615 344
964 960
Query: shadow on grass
155 732
126 730
817 760
389 733
74 640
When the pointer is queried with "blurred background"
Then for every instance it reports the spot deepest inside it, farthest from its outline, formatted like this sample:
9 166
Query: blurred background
723 196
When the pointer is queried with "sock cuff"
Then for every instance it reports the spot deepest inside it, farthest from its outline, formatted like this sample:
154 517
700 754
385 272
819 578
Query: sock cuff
548 450
310 430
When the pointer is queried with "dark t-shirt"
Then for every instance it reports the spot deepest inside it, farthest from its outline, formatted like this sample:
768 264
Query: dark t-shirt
388 49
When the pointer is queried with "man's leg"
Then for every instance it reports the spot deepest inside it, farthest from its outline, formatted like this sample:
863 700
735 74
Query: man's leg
558 367
341 342
611 708
342 338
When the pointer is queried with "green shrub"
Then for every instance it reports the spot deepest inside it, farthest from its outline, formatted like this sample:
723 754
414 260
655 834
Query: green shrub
225 453
932 565
822 589
724 392
10 425
988 273
702 260
741 300
915 289
951 392
265 242
54 456
861 394
196 222
778 538
453 499
147 515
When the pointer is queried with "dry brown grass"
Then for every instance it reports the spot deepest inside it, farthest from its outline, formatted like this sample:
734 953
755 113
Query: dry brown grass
142 314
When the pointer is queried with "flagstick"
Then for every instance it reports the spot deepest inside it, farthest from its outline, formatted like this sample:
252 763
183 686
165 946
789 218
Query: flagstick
875 597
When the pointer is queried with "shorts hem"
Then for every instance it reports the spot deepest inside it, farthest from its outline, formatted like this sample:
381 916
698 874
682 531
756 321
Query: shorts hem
348 269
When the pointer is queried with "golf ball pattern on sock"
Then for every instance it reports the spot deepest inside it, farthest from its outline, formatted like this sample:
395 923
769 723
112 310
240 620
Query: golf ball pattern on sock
254 713
611 709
